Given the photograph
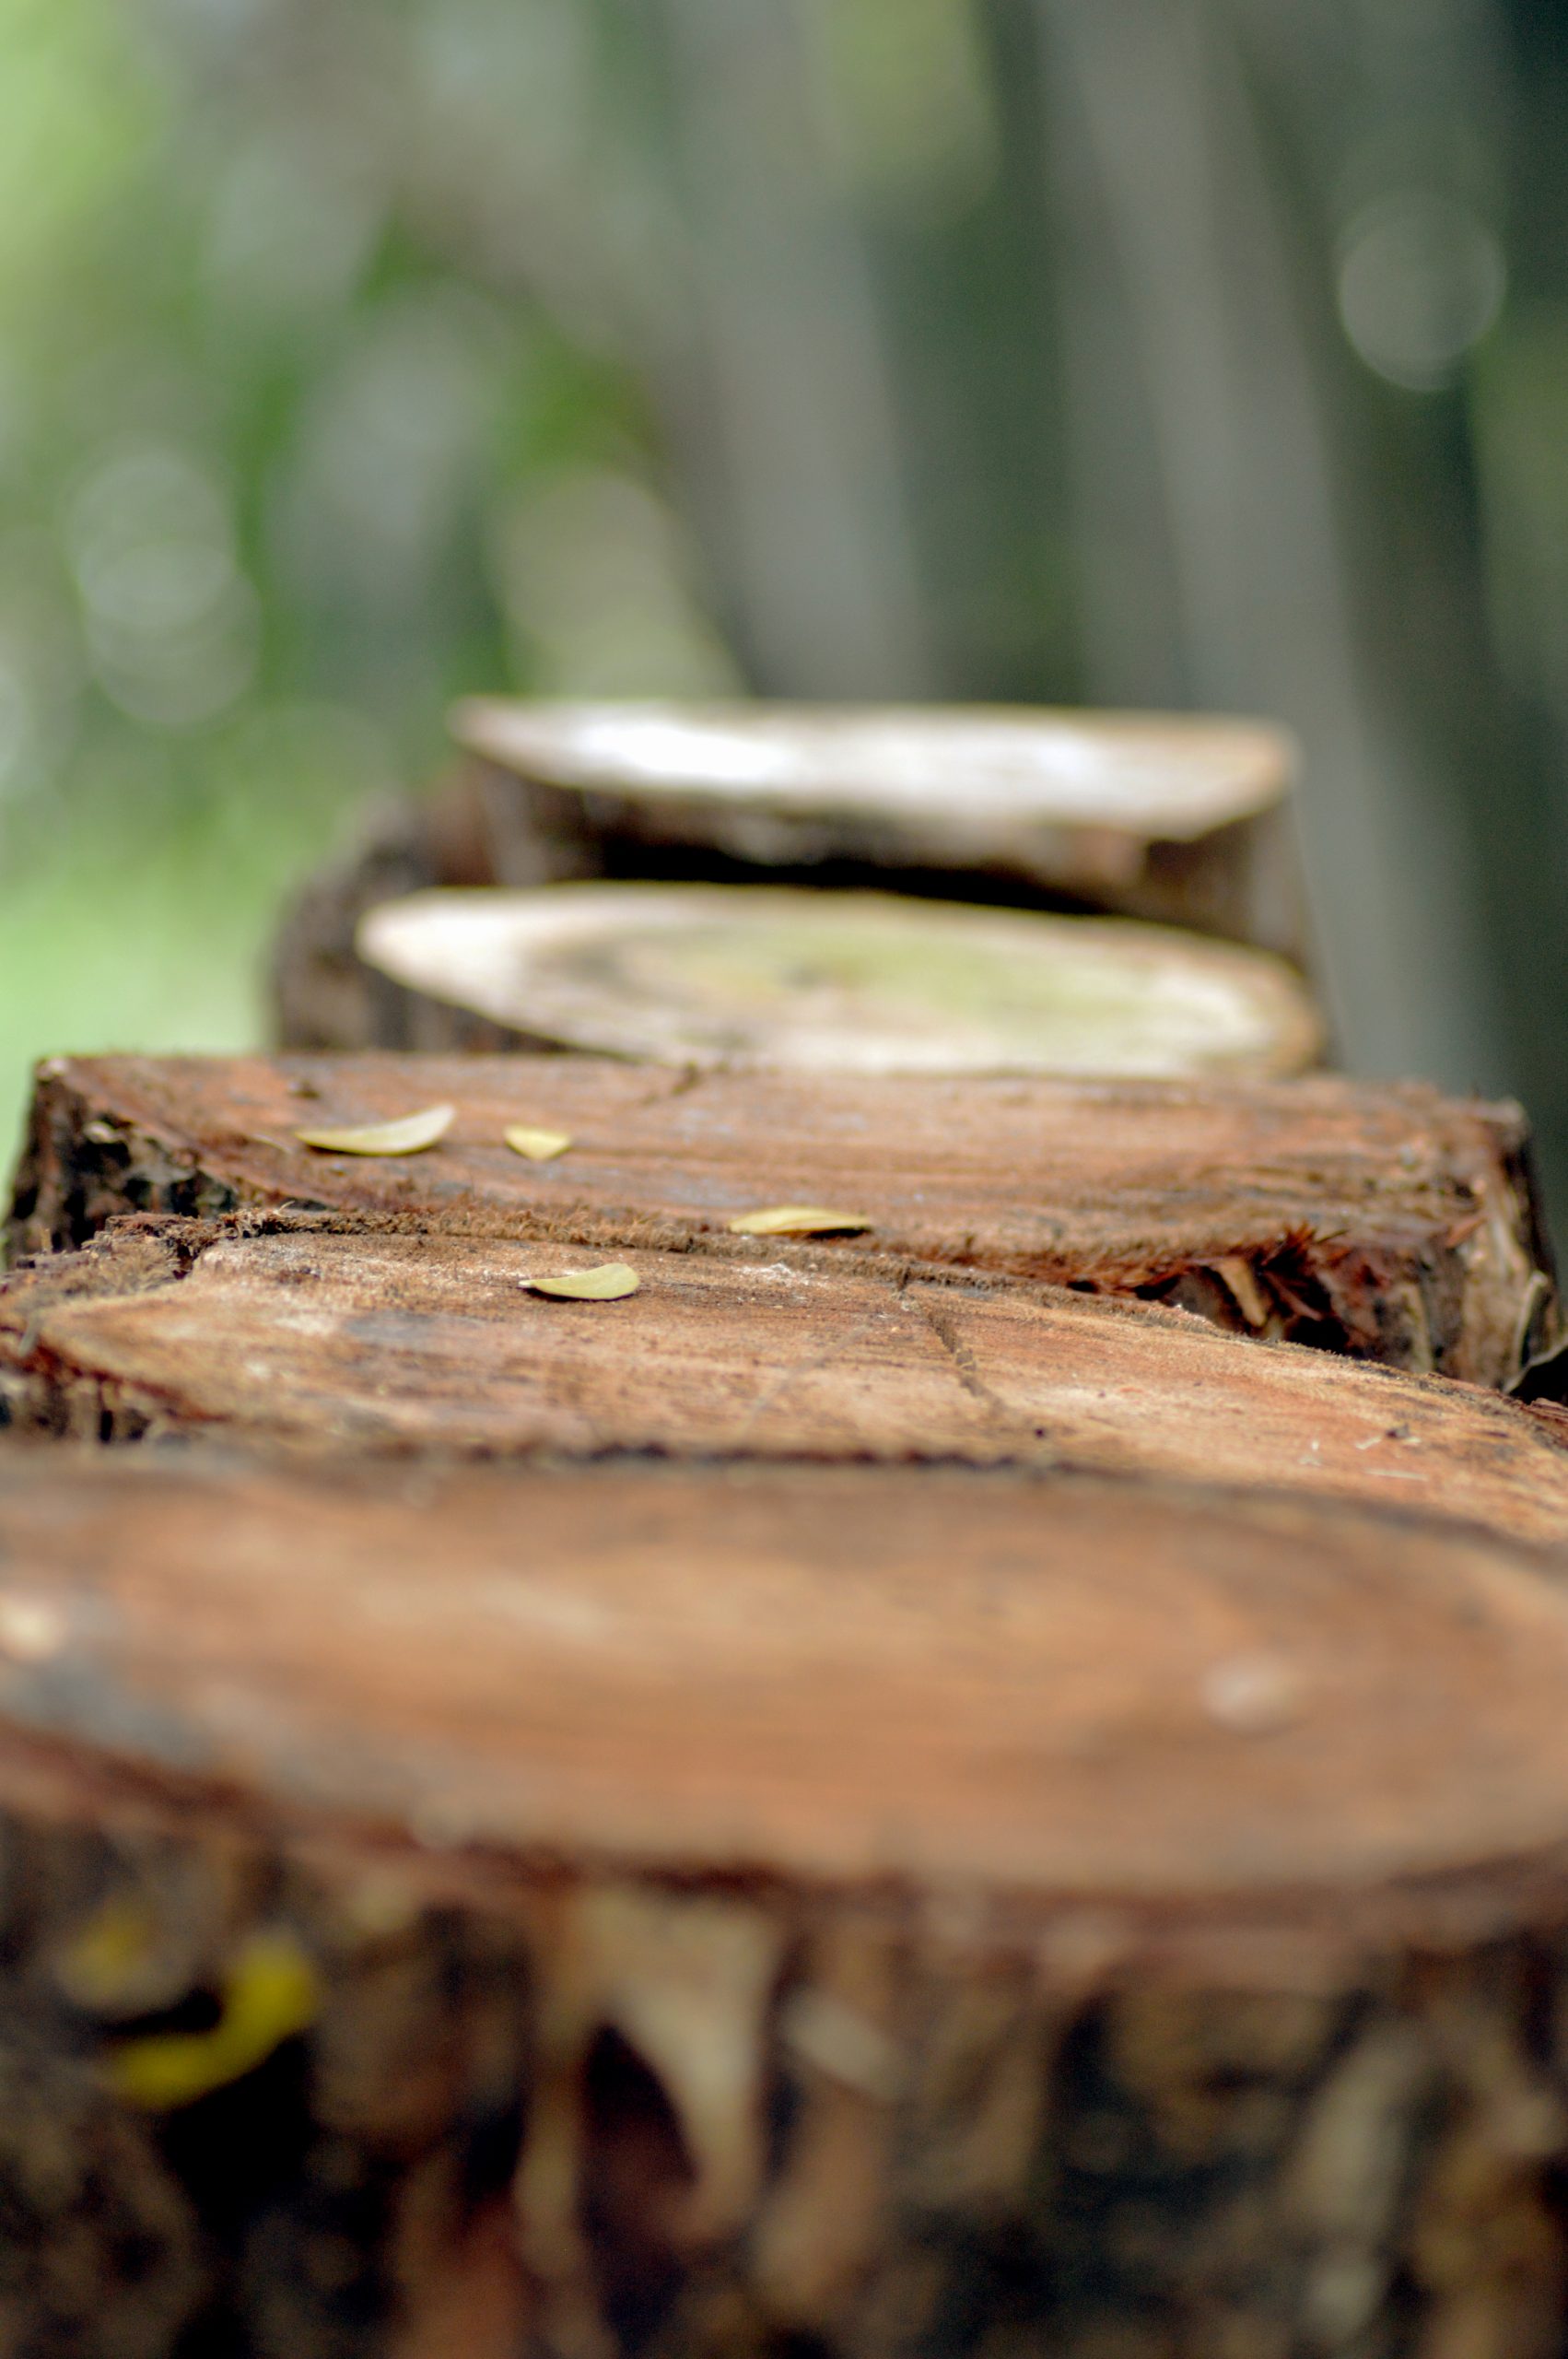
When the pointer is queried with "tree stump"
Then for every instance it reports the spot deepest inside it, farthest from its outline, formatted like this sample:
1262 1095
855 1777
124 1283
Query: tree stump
1178 821
838 982
332 1332
1386 1222
1165 816
699 1911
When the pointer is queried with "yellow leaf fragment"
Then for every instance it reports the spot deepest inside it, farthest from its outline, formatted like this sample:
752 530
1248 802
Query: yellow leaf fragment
271 1992
799 1220
610 1283
539 1147
405 1136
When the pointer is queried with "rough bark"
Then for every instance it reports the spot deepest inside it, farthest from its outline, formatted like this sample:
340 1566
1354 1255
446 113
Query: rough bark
326 1333
324 996
773 1911
852 982
1386 1222
1169 817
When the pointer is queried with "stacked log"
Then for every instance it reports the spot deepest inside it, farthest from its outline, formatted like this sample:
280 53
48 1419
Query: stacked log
694 1909
852 1839
780 1685
1388 1223
351 1333
1179 821
719 976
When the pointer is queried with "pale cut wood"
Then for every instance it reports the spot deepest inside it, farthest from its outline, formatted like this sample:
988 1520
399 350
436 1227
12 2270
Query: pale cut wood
323 1332
713 975
1094 784
749 1909
967 784
1170 817
1385 1221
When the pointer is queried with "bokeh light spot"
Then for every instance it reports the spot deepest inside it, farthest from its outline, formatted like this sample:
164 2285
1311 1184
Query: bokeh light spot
1421 278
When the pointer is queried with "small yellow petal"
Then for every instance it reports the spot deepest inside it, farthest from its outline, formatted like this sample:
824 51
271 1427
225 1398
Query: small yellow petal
271 1993
539 1147
799 1220
610 1283
404 1137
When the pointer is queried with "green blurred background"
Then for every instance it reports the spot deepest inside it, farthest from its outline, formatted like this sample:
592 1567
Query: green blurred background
356 353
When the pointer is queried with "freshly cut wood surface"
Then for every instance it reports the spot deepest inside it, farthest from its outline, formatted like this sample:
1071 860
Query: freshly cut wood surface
977 781
1194 1708
843 982
1173 817
1077 809
330 1333
734 1907
1385 1221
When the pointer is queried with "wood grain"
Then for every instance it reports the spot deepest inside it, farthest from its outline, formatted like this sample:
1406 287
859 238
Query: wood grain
792 981
1382 1220
330 1332
747 1905
1197 1708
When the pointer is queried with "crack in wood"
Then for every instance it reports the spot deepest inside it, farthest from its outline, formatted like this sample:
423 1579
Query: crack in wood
964 1364
674 1086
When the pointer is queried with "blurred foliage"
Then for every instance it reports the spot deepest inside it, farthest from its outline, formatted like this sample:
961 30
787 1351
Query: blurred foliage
295 442
354 353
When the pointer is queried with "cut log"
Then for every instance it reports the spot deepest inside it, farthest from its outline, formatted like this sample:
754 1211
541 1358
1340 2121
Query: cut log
329 1332
703 1911
1181 821
1176 818
713 975
1386 1222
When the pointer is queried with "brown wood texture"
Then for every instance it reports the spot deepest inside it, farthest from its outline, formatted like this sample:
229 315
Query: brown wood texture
747 1910
1167 816
323 995
789 979
1038 1689
1383 1221
332 1332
